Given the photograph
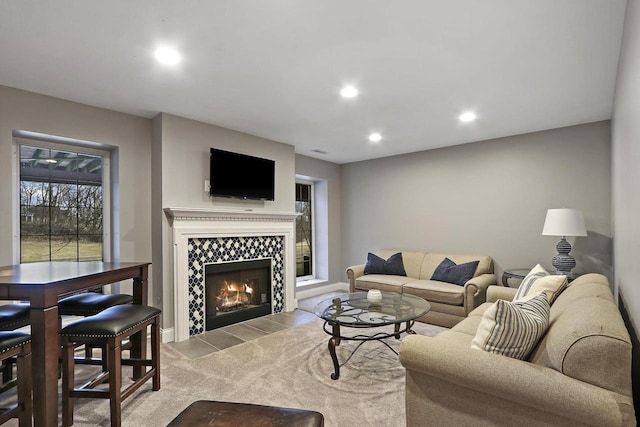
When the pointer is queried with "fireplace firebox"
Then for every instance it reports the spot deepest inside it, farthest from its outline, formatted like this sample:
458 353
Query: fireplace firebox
237 291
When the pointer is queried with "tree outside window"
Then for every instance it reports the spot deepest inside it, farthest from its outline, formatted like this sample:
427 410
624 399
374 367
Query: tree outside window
61 205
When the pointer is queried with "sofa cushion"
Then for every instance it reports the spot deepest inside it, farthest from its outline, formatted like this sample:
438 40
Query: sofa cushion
539 280
579 289
377 265
435 291
432 260
458 274
412 260
384 282
513 328
469 325
479 310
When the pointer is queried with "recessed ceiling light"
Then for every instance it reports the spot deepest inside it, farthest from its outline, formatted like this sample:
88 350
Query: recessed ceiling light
167 55
467 117
375 137
349 92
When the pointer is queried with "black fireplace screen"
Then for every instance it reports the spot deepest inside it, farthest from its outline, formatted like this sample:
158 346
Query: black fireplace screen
237 291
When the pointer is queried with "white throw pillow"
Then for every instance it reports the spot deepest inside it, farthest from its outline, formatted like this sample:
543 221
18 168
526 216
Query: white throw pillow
513 328
539 280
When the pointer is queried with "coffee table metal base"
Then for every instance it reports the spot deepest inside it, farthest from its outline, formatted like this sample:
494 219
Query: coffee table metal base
336 338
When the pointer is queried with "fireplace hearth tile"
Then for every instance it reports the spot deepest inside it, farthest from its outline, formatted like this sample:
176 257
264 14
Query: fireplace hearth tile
292 318
243 331
220 339
193 348
265 325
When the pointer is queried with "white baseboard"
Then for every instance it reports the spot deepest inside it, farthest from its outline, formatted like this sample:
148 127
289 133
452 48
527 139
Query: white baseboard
167 335
319 290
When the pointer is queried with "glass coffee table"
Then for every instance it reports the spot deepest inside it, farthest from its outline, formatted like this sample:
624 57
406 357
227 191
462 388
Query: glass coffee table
355 311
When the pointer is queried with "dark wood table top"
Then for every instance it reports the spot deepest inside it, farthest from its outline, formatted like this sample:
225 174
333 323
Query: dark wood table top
43 273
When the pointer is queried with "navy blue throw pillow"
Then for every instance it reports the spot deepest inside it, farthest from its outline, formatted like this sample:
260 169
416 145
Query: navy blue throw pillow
449 272
377 265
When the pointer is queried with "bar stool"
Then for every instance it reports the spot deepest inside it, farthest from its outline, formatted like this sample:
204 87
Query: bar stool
17 345
88 304
109 329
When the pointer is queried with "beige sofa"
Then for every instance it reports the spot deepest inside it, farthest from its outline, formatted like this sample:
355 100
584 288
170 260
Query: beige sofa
450 303
578 374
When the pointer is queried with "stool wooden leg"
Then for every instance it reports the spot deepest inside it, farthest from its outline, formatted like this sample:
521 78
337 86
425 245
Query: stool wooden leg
24 388
155 352
115 380
68 379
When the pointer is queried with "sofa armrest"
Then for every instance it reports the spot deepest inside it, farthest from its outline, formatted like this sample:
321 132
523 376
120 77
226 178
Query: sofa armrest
513 380
494 293
353 273
475 291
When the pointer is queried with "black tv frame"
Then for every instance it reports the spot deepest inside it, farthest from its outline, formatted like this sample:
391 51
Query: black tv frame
241 176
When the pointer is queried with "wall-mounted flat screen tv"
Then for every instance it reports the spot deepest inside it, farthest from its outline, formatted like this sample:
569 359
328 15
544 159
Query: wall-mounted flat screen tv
241 176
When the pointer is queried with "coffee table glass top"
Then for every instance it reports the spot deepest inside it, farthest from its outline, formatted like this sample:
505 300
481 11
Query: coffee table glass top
355 310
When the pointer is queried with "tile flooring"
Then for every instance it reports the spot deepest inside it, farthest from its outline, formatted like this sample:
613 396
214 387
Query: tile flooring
228 336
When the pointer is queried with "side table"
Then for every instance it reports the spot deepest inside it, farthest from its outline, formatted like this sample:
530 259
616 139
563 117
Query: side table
521 273
514 273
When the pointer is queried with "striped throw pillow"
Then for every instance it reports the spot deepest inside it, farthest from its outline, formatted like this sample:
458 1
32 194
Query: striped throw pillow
539 280
513 328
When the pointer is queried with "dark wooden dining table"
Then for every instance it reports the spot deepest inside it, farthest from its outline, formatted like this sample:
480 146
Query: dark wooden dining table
42 284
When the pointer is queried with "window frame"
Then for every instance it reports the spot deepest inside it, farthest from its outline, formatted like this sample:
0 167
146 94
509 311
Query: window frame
69 145
312 276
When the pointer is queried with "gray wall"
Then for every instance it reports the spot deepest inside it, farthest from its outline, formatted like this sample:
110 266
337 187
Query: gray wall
181 164
626 172
20 110
487 198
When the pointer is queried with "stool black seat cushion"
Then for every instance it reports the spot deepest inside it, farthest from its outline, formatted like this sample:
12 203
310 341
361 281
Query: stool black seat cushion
14 316
90 303
228 414
110 322
12 339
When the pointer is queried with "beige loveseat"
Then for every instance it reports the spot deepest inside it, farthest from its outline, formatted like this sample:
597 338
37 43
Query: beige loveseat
450 303
578 374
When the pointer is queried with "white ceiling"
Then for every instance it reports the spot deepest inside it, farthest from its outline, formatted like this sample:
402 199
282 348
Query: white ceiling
273 68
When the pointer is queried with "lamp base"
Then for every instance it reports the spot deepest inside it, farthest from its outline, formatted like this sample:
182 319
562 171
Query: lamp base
563 262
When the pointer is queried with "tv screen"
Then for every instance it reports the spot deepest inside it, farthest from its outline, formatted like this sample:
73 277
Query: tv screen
241 176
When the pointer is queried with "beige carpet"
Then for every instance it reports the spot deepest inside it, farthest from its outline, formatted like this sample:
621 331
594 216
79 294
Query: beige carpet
289 368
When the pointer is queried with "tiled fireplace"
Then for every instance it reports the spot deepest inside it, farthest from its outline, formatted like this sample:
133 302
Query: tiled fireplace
205 240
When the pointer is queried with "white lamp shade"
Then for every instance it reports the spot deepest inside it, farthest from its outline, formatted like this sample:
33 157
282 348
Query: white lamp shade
564 222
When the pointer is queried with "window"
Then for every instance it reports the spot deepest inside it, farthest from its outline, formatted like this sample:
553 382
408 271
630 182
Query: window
62 203
304 230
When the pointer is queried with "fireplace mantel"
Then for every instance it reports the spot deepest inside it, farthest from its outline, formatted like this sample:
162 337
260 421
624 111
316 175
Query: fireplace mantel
207 214
207 223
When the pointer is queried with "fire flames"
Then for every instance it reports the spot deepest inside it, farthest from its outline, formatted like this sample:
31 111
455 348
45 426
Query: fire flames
233 296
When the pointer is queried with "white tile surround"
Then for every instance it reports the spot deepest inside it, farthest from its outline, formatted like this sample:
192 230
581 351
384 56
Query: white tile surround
191 225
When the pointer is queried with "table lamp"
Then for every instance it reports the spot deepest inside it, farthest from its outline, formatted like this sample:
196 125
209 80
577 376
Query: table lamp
564 222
